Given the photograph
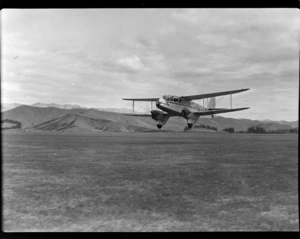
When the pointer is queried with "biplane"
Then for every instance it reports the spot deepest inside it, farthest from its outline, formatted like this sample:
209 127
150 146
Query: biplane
184 106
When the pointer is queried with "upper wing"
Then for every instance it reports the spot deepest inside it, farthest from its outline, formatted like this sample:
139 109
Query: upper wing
203 96
219 111
143 99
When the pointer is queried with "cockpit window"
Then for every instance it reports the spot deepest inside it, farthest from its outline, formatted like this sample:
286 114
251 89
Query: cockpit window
173 98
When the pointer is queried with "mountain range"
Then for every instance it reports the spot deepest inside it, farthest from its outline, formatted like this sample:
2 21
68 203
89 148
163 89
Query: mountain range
9 106
73 118
290 123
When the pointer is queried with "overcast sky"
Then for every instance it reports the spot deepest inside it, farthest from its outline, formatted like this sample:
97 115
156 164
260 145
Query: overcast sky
96 57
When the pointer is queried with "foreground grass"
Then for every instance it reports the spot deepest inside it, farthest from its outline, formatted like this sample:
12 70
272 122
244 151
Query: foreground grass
149 182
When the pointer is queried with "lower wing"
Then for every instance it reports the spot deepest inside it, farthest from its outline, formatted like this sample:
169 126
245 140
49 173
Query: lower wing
218 111
209 112
145 115
137 114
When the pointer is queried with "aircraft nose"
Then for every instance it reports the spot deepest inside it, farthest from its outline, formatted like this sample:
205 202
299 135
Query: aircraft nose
160 101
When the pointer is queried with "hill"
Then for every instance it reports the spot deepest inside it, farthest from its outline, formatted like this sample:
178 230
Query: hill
80 122
293 124
64 106
218 121
9 106
274 126
30 115
82 119
51 118
242 124
117 110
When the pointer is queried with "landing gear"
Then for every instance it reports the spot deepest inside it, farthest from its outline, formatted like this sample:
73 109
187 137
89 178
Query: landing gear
190 126
159 126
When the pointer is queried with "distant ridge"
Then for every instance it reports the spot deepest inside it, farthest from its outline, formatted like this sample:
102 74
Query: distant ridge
83 119
117 110
290 123
9 106
241 124
64 106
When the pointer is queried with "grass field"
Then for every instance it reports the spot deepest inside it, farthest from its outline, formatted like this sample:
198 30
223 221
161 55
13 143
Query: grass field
149 182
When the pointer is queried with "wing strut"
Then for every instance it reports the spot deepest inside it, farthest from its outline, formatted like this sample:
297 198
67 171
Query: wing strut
133 106
230 101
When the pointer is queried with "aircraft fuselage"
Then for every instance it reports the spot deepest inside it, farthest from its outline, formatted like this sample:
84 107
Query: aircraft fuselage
176 105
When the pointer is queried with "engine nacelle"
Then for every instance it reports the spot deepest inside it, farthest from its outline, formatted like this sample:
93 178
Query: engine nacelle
185 112
161 118
192 119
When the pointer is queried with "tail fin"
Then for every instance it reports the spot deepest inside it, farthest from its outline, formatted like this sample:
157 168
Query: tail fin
212 103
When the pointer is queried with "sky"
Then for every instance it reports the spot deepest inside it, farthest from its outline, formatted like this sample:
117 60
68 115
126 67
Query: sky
96 57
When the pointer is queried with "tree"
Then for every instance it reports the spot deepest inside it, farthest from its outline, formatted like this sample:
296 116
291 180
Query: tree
205 127
256 130
12 124
230 130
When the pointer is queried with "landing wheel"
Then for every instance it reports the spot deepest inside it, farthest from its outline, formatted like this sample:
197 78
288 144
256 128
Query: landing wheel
190 126
159 126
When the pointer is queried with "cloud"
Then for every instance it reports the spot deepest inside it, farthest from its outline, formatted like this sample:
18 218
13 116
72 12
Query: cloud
191 16
99 57
9 90
146 42
188 75
125 64
131 63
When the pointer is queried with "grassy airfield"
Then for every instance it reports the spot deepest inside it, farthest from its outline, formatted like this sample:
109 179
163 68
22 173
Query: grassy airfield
149 182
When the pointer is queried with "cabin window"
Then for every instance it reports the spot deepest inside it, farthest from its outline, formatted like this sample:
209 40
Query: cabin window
175 99
171 98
